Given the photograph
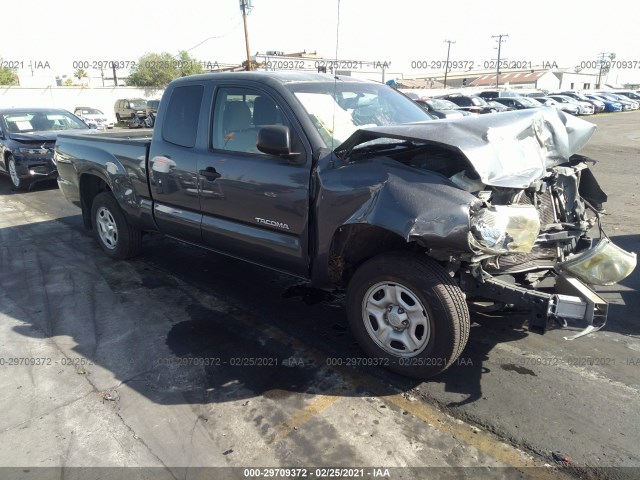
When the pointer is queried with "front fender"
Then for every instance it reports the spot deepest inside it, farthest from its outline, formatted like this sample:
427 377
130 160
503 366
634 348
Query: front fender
417 205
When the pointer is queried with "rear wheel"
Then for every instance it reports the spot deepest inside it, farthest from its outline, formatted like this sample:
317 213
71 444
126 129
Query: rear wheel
118 117
117 237
406 311
17 182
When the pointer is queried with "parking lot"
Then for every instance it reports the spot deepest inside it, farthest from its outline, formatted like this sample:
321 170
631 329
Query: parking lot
185 359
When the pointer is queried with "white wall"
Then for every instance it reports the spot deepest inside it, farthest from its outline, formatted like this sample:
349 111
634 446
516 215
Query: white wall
102 98
548 81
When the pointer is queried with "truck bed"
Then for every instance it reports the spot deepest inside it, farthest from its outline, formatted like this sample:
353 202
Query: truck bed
120 153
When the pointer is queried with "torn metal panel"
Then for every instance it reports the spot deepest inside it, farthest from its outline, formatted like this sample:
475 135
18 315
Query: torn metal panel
512 149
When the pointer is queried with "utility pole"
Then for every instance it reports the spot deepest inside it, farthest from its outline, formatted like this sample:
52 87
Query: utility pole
245 6
446 65
115 77
499 37
601 57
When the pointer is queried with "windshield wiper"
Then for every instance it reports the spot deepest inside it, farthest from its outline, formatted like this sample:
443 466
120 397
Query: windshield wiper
379 147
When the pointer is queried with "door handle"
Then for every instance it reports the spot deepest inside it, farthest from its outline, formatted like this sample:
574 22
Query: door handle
210 174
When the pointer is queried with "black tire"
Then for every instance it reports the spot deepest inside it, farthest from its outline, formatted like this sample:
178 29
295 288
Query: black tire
127 240
118 118
444 311
17 183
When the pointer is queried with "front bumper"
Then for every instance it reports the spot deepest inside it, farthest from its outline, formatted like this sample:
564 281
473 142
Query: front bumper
36 169
571 298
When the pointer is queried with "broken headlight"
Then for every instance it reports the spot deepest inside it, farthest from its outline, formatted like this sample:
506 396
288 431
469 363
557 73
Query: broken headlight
505 229
603 264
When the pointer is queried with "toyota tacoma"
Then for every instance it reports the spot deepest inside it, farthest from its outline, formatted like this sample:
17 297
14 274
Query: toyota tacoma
347 183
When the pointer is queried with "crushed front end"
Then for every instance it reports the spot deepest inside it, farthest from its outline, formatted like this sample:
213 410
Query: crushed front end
534 237
536 252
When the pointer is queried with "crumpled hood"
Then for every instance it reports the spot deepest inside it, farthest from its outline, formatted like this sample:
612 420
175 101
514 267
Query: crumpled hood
509 149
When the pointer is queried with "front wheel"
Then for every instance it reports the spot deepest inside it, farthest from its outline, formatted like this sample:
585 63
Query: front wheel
117 237
405 310
17 182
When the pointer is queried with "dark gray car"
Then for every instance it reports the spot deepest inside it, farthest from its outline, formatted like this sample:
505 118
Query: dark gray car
27 137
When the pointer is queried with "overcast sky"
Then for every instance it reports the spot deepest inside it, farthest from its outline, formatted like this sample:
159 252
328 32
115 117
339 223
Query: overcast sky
566 32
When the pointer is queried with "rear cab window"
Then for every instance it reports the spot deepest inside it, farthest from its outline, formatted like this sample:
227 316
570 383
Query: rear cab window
180 124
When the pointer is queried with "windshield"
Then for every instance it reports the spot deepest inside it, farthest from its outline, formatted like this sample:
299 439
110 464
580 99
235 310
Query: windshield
448 103
337 110
440 104
478 102
137 103
89 111
25 122
528 102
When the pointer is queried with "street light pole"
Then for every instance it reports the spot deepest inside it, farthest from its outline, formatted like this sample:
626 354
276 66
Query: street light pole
245 6
446 65
499 37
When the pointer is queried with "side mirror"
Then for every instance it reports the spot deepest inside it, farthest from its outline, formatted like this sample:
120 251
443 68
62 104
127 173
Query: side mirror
274 140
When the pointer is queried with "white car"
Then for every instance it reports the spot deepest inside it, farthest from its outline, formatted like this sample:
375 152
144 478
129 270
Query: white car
584 108
567 107
93 117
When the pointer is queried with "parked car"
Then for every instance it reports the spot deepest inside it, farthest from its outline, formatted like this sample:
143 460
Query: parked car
546 102
471 103
517 103
609 104
567 107
152 106
130 108
93 117
584 108
499 106
630 95
598 106
625 101
452 105
343 183
27 137
493 94
439 108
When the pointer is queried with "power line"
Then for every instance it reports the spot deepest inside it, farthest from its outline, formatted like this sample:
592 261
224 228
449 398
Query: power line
215 36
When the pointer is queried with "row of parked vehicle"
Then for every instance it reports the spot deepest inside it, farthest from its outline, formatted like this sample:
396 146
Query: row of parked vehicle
491 101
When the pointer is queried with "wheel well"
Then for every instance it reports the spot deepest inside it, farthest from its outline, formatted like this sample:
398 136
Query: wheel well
352 245
90 186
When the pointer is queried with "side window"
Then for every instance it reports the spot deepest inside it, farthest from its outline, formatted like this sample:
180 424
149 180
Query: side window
238 114
180 122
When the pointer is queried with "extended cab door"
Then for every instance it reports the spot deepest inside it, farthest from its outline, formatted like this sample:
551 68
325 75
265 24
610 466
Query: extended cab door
255 206
173 177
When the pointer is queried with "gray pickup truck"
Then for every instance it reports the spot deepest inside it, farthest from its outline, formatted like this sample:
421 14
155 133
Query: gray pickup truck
347 183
